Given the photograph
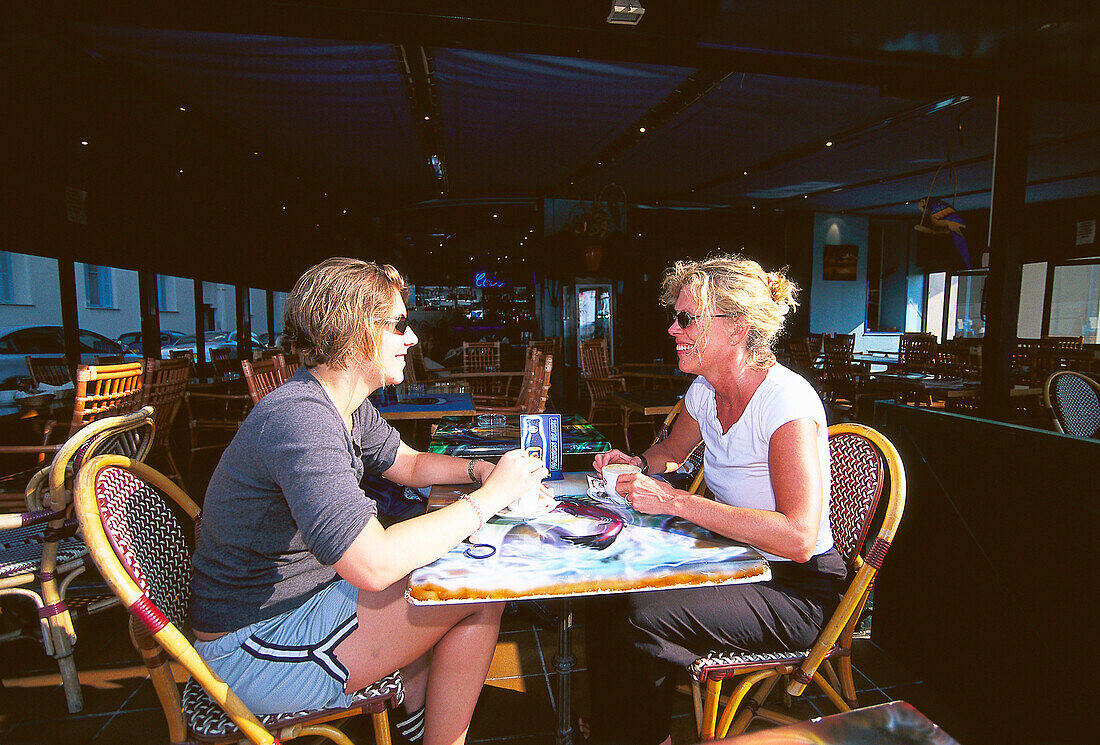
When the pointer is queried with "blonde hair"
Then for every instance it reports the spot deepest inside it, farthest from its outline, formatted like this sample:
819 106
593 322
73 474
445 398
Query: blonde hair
335 309
734 286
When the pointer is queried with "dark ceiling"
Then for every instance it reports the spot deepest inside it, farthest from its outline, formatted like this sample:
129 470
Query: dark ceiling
772 105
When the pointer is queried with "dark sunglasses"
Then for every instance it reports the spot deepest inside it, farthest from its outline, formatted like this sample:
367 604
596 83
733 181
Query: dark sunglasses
684 319
400 325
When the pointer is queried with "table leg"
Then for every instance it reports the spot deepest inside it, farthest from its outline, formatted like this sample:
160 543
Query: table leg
564 662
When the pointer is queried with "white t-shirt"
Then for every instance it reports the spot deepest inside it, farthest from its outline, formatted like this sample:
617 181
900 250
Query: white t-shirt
736 462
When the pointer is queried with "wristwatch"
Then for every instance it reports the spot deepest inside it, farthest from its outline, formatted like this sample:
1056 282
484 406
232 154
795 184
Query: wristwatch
645 464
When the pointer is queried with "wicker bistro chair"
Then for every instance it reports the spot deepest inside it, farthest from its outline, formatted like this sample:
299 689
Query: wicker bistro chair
128 514
223 360
163 389
263 376
601 381
534 390
1073 400
40 554
100 391
48 370
864 463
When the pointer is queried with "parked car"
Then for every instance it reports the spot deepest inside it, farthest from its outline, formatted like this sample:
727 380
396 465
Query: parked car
16 342
131 340
211 340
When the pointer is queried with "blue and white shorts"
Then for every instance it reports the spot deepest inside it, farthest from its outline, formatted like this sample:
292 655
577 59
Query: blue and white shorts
288 663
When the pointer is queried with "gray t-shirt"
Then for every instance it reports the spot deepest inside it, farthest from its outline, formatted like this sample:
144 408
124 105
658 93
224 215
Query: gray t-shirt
284 504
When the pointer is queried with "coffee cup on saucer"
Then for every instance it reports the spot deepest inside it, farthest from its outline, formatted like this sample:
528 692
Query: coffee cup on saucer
611 473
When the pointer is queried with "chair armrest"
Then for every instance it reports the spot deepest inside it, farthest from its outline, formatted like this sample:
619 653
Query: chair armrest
12 520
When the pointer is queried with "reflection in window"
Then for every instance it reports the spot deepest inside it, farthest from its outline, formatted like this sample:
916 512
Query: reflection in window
933 302
1075 301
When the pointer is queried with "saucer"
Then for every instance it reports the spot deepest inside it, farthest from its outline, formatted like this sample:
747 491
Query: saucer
542 508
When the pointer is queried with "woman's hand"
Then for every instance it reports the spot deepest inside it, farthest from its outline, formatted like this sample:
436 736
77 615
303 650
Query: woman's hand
515 475
614 456
647 495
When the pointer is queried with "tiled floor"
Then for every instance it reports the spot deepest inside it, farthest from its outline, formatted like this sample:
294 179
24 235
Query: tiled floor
517 705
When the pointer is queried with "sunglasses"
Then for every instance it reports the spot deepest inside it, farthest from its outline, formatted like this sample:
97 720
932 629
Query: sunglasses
683 319
400 325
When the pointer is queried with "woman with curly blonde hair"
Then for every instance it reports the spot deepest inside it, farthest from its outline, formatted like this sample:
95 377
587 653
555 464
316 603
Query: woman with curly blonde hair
767 464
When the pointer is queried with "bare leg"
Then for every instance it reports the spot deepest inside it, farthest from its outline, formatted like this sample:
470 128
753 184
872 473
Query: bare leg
393 634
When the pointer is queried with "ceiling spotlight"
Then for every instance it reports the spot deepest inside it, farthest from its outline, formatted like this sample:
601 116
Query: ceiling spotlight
641 130
626 13
828 143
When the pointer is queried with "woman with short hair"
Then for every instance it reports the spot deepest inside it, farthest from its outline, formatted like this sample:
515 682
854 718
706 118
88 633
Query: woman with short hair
299 591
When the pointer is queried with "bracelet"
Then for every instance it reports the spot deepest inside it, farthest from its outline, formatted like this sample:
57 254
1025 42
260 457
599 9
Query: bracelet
470 471
477 508
645 464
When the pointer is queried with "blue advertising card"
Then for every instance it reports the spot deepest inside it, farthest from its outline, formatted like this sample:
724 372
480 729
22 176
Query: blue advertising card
540 437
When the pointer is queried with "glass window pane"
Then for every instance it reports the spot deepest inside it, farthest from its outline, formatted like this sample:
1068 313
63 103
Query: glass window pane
176 299
1075 302
967 294
934 299
1033 288
107 301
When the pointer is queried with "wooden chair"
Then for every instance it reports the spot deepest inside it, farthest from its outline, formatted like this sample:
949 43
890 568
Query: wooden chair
917 352
601 381
842 380
483 356
163 389
533 392
262 376
1073 400
128 514
290 362
693 464
48 370
224 361
40 555
213 419
864 464
817 346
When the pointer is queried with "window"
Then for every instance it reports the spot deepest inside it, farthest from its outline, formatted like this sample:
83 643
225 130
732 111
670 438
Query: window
1075 301
887 275
166 294
97 286
7 279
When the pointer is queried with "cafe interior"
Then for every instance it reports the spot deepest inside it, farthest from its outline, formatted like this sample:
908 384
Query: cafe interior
927 174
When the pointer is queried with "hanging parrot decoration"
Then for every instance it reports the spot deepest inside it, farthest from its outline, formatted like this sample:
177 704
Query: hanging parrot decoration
942 218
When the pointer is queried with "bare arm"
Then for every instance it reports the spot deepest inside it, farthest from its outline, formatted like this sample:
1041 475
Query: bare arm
415 468
379 556
665 456
790 531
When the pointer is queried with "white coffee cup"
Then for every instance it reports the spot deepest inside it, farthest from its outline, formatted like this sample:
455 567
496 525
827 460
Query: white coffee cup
611 473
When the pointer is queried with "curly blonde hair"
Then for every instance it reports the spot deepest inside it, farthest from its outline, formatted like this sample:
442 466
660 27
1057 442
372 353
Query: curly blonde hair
335 309
731 285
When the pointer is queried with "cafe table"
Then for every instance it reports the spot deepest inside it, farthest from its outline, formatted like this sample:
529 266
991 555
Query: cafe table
894 723
493 435
941 388
646 403
581 543
424 405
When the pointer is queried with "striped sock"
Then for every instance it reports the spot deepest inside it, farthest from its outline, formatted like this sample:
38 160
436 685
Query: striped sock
412 726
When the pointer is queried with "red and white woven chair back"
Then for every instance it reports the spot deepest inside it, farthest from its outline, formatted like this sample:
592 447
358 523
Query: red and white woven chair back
148 540
858 475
